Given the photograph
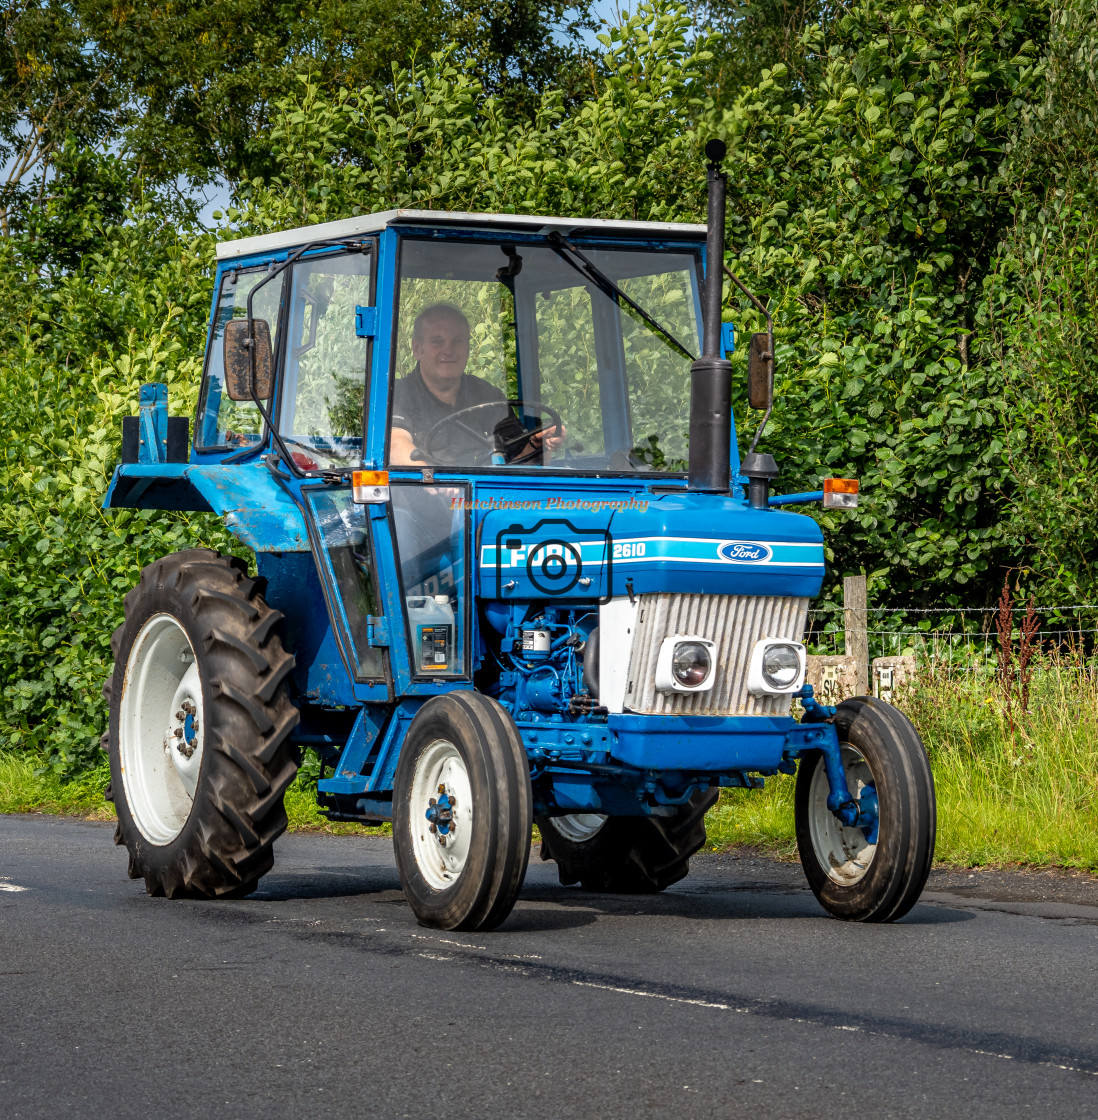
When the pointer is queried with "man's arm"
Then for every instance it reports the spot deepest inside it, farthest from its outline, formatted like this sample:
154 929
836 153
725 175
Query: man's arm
401 447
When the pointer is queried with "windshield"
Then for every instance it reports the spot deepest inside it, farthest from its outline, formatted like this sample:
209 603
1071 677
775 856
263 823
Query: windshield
507 354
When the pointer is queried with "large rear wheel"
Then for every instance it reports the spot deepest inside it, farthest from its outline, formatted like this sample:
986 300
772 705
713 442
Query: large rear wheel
873 874
462 813
199 727
627 855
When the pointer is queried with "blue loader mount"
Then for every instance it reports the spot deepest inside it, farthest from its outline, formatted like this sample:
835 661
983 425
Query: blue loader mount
510 568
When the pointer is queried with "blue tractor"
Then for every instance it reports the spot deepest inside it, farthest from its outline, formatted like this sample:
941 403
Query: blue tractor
511 568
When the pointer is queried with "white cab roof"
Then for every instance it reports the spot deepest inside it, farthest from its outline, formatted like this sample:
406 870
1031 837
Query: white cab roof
371 223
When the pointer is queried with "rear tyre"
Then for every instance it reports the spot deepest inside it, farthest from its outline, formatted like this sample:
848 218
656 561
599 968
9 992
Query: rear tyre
462 813
199 728
626 855
853 878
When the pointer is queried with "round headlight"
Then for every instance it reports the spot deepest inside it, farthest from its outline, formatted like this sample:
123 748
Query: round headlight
690 663
780 666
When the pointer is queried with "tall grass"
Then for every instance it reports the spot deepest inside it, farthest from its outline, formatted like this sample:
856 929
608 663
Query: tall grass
1026 795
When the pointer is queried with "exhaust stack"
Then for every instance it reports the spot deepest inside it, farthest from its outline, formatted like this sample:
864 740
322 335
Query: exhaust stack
711 375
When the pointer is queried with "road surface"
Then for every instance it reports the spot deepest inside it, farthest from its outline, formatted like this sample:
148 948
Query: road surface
732 994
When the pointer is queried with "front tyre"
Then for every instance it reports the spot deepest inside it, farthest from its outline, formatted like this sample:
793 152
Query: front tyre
462 813
858 874
199 728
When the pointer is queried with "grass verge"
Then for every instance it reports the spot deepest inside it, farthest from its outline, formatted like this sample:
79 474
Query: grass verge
26 786
1026 794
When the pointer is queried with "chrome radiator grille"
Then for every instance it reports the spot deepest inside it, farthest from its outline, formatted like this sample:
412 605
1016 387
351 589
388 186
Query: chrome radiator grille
735 623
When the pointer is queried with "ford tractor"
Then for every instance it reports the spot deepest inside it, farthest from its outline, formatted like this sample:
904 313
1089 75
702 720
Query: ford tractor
510 568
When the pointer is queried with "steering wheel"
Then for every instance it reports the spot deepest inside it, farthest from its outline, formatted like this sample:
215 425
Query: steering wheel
508 438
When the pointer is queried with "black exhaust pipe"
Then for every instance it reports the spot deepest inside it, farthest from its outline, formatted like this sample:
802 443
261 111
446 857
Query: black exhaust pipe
711 375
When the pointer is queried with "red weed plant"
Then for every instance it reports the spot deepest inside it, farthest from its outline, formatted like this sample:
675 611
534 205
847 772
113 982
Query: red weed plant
1015 666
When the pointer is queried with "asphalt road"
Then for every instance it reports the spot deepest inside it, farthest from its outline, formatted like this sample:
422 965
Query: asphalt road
729 995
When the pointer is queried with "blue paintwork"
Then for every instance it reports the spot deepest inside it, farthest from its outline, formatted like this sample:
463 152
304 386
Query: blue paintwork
152 410
649 541
728 339
649 534
256 509
700 742
440 812
797 499
384 770
321 674
190 730
348 777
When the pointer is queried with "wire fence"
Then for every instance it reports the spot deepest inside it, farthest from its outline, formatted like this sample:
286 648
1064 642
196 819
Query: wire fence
966 639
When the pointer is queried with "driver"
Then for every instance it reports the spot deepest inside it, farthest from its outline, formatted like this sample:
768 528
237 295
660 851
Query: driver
439 387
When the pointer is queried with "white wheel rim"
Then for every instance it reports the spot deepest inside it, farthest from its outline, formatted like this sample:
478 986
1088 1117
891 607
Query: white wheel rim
578 827
844 853
441 855
161 729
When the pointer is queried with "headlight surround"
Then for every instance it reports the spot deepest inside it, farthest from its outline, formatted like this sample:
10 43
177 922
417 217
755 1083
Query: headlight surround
686 663
777 667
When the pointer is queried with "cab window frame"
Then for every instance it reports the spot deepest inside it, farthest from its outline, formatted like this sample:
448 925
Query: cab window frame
371 249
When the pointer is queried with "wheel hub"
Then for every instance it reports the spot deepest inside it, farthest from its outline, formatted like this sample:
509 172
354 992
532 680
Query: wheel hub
183 731
440 812
440 803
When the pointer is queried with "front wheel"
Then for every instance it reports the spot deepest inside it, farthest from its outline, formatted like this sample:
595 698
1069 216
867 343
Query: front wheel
871 874
462 813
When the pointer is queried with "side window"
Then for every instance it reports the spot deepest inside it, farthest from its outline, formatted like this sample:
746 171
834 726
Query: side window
346 538
325 368
223 422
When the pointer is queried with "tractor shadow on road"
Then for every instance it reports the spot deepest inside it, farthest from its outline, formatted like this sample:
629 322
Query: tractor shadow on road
540 906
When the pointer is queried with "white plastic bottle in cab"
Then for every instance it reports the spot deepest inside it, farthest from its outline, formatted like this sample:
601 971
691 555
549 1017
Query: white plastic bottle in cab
432 622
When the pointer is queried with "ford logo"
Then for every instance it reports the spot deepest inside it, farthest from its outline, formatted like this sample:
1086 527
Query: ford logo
745 552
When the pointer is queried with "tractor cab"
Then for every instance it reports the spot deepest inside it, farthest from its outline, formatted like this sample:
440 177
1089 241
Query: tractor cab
394 319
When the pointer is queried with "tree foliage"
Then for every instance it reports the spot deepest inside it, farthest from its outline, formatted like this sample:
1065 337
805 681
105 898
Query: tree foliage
911 188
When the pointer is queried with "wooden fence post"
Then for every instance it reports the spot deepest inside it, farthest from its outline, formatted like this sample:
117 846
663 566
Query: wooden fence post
856 620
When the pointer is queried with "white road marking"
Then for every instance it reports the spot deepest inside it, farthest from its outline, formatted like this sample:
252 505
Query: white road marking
813 1022
447 941
660 995
5 885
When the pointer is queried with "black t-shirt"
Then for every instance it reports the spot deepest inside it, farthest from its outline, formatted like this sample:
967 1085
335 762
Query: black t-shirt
417 410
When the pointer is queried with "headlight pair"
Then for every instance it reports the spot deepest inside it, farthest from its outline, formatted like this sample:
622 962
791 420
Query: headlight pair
688 663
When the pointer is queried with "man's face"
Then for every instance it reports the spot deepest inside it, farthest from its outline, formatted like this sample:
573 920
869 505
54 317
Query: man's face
442 351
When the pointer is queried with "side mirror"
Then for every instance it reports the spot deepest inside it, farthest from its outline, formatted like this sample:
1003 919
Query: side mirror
238 360
760 372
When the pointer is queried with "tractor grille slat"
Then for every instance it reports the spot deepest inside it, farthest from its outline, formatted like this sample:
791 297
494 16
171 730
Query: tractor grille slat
735 623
